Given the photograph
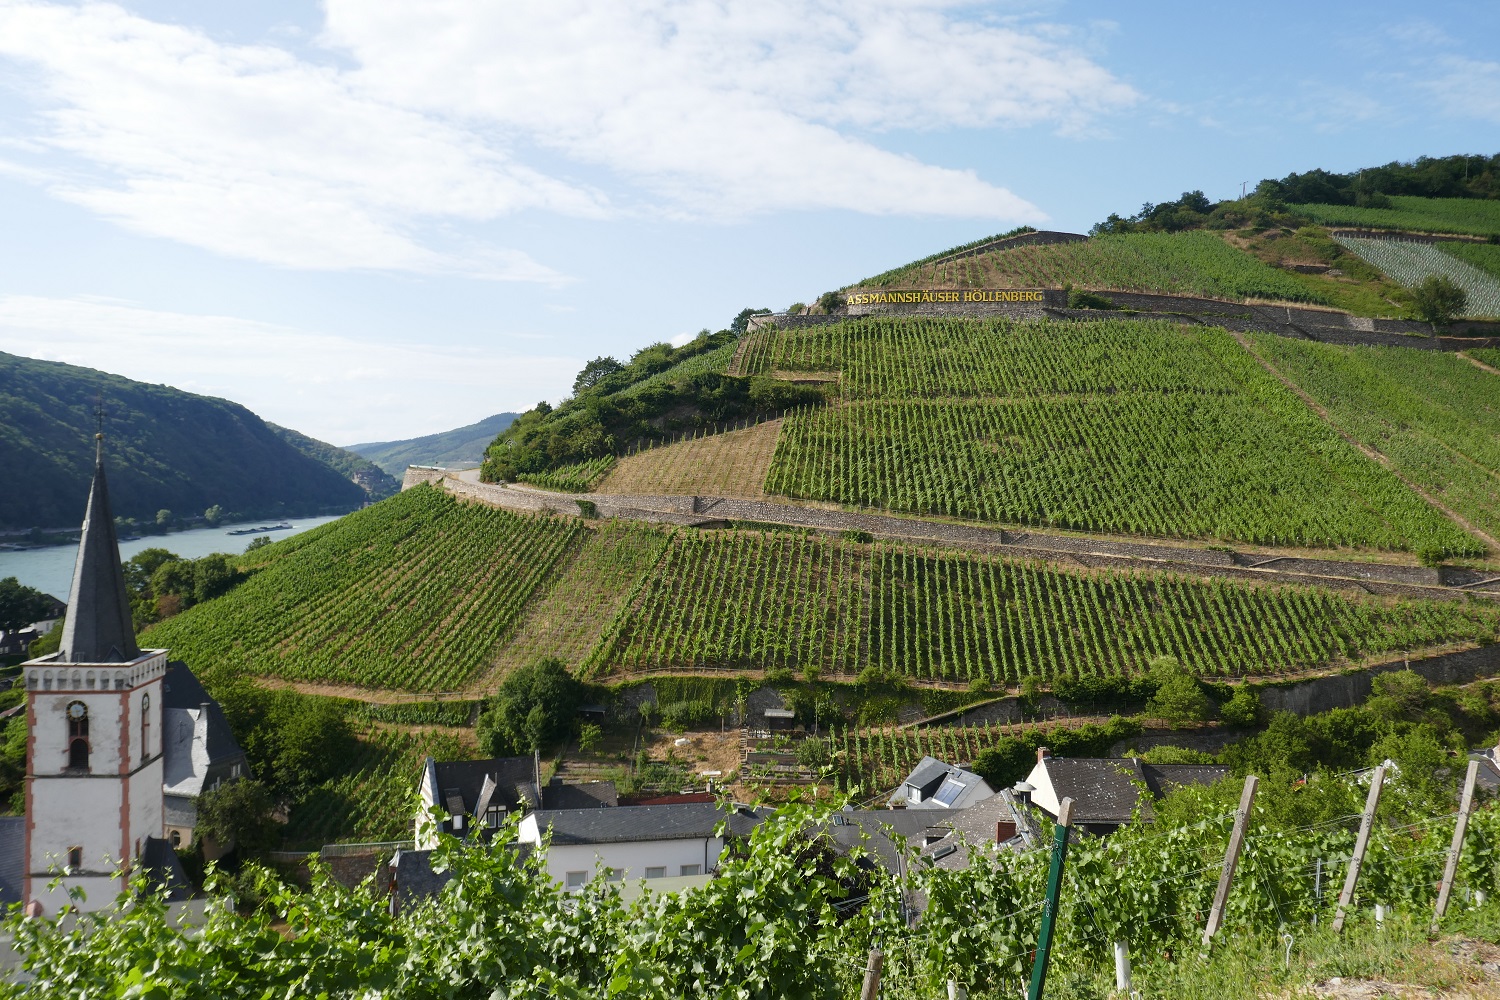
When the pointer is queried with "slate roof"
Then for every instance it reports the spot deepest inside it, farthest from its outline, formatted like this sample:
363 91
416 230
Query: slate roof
625 824
98 628
164 868
199 747
12 858
590 795
879 830
1104 790
941 785
414 876
466 778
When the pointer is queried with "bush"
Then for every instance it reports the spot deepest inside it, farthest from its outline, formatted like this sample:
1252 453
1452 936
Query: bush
813 754
1438 299
1088 300
238 816
1179 697
533 709
1243 707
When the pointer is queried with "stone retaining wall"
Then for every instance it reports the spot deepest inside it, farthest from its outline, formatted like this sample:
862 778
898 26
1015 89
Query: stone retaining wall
1371 578
1321 694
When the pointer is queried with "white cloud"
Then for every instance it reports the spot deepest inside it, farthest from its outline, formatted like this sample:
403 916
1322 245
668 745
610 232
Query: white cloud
331 387
1467 88
694 107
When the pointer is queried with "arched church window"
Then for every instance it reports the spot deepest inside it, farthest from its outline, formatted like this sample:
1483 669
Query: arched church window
145 727
78 735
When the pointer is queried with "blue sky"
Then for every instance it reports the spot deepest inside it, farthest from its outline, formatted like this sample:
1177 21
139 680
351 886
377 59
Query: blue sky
377 220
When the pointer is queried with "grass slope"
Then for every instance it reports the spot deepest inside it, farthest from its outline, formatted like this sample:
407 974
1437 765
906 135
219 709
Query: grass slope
1192 263
1116 426
732 464
166 449
1463 216
1433 414
417 592
460 446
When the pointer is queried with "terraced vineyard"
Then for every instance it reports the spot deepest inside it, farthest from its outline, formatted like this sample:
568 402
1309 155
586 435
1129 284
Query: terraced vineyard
1464 216
585 594
372 801
1433 414
1115 426
577 478
416 592
740 600
1191 263
1488 355
1485 256
1409 263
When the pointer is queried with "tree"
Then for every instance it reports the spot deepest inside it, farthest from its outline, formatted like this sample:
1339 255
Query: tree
534 708
238 816
20 605
258 542
163 518
1243 707
1437 299
741 321
212 575
1179 697
594 371
214 514
589 736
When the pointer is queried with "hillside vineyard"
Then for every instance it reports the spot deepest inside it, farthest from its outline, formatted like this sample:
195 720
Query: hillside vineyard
422 592
1115 426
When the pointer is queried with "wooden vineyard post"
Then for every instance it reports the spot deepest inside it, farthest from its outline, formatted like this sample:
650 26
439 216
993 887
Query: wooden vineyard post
1231 859
1457 847
871 988
1372 801
1049 908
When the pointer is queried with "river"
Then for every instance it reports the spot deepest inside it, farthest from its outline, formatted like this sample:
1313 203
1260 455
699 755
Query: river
50 568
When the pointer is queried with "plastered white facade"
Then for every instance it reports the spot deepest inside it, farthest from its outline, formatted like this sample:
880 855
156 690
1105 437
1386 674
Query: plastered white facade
628 859
106 809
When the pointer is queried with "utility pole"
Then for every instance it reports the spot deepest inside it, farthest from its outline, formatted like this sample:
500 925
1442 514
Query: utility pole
1231 859
1456 848
1049 908
1372 801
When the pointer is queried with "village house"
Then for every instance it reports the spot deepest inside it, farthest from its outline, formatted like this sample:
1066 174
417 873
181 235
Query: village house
1107 792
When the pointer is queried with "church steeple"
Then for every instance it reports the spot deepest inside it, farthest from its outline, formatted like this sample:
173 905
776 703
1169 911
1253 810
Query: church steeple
98 628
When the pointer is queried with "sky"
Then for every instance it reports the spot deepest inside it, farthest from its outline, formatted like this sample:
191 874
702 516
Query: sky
371 221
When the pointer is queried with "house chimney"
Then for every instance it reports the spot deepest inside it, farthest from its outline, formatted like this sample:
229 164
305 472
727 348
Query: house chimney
1042 753
1004 830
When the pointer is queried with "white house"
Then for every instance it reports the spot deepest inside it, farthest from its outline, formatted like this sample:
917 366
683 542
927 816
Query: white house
634 842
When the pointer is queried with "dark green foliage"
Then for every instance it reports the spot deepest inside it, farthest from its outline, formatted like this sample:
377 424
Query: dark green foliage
239 814
375 481
1091 692
594 371
1437 299
293 741
1179 697
533 710
1424 177
1243 707
1089 300
13 734
741 321
20 605
460 446
661 392
164 449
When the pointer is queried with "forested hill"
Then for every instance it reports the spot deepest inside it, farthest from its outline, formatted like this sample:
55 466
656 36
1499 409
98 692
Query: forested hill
460 446
374 480
168 450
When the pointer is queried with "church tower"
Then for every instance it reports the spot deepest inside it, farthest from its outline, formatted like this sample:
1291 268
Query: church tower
94 754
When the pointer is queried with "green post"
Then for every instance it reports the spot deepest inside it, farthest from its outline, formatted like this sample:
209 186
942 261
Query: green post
1049 909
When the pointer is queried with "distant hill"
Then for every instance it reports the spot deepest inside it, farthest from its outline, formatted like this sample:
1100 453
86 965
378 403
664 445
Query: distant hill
461 446
167 449
356 468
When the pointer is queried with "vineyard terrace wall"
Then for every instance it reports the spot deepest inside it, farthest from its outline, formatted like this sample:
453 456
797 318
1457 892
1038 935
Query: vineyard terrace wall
1374 578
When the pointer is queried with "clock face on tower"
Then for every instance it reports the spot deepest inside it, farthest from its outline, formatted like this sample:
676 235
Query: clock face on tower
76 710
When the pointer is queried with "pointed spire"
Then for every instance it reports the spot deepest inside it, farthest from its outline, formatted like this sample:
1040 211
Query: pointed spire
98 628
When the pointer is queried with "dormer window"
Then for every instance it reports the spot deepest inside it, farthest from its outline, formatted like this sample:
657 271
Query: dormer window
78 736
